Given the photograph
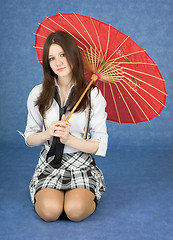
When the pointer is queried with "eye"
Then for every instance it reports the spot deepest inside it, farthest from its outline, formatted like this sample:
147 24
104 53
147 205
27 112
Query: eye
62 55
51 59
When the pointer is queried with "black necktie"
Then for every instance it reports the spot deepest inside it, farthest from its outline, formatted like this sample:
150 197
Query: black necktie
57 147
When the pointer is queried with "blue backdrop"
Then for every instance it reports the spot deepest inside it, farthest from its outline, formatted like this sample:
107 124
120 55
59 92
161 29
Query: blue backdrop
148 22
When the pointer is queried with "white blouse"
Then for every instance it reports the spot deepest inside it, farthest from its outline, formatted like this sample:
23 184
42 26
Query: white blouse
97 124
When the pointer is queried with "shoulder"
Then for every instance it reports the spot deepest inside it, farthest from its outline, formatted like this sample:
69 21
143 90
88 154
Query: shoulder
35 92
96 93
37 89
97 97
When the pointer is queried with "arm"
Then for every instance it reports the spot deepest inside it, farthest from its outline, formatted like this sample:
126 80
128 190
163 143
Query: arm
34 134
83 145
36 139
98 129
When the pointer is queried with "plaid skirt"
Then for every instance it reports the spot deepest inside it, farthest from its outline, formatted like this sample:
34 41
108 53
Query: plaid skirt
77 170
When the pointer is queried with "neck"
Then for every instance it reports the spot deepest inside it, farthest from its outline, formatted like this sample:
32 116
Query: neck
65 82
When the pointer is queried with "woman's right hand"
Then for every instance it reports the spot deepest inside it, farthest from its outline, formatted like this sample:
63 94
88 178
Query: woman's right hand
51 131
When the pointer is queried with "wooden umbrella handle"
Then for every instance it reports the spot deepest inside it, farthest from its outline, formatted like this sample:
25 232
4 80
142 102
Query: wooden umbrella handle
94 77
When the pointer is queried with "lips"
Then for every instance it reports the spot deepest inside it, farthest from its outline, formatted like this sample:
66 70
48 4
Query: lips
60 69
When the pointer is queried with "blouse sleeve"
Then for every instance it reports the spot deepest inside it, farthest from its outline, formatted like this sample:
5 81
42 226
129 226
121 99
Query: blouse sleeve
34 118
97 124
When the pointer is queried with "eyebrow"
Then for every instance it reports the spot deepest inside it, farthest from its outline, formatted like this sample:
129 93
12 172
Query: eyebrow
53 55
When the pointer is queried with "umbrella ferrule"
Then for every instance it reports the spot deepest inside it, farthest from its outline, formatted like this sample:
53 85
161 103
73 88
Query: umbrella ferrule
95 76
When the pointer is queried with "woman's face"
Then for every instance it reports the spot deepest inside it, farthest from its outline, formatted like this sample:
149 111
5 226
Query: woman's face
58 61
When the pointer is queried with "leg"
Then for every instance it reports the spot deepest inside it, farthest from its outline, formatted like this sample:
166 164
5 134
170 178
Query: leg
79 204
49 204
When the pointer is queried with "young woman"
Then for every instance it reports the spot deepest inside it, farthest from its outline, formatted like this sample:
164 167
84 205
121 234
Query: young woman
75 184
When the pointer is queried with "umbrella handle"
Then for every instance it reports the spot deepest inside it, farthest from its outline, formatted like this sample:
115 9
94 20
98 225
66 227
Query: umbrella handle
94 77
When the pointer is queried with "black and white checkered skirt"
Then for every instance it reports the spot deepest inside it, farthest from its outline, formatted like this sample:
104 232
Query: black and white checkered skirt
77 170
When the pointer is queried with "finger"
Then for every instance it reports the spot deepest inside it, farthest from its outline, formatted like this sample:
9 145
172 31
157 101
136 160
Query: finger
61 124
63 117
59 134
60 129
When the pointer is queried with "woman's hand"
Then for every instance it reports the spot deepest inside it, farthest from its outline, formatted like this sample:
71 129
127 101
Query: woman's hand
62 130
59 129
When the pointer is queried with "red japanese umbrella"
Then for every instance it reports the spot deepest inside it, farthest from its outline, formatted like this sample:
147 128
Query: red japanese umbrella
128 78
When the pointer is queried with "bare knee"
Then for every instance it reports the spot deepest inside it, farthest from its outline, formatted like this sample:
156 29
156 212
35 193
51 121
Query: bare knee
74 210
49 211
49 204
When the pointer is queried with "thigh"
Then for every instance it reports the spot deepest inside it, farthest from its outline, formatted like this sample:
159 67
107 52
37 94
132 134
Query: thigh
49 194
49 203
80 195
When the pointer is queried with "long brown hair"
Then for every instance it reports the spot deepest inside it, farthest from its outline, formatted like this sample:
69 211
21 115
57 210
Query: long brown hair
74 59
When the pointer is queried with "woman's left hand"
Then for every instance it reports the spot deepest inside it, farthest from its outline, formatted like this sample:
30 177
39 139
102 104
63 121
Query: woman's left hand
62 130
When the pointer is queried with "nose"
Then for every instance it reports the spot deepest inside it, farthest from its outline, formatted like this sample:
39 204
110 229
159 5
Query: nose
58 61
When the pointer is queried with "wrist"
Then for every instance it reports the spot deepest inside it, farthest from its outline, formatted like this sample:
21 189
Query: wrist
67 140
45 136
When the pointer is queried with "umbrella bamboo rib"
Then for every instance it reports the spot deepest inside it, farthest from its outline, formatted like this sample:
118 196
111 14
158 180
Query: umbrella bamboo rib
100 65
38 47
92 53
117 75
96 59
92 60
152 64
115 103
46 27
142 90
92 56
102 62
144 82
147 74
67 31
114 74
107 45
135 101
127 55
85 30
40 35
118 48
111 69
131 115
111 62
75 29
97 37
144 100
